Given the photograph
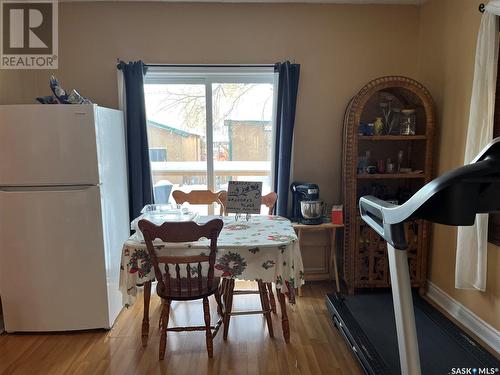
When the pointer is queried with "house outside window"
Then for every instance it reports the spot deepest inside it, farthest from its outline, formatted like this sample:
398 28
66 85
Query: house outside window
157 154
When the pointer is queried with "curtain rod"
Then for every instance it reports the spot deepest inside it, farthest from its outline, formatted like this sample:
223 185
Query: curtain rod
211 65
120 64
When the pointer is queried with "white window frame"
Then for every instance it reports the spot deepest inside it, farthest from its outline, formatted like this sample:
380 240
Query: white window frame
208 75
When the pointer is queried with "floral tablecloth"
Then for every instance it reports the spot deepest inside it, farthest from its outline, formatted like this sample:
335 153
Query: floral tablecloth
265 247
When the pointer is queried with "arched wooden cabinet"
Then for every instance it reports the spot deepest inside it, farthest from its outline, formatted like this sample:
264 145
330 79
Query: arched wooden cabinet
365 262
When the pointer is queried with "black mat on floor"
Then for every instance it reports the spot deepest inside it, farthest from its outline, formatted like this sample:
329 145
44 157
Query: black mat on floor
369 321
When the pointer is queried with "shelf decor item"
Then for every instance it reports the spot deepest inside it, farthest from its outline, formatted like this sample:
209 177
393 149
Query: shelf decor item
394 121
378 126
365 263
407 122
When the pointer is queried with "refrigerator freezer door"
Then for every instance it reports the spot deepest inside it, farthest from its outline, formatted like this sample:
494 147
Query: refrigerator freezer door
48 145
52 269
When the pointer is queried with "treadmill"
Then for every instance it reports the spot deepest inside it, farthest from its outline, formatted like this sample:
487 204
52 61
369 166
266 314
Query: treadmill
402 333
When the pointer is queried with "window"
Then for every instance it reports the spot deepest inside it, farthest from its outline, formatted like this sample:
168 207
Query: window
217 124
157 154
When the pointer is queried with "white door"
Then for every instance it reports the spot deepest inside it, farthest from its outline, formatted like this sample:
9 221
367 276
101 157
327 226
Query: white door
52 269
47 145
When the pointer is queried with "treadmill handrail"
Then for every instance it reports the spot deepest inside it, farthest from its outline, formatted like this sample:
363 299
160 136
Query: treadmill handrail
372 211
464 174
453 198
488 150
464 192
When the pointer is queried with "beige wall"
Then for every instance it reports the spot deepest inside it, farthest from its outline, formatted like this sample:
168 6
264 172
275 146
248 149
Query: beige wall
339 47
448 33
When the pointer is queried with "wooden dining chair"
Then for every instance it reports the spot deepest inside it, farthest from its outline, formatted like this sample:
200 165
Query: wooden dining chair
228 292
201 197
264 289
174 287
268 200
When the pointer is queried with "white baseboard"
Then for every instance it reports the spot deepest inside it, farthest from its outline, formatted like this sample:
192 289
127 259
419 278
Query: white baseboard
467 318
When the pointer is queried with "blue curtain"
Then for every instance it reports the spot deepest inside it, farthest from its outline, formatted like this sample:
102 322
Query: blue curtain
288 85
140 189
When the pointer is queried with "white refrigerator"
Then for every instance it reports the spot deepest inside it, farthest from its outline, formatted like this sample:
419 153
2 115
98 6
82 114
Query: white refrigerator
63 216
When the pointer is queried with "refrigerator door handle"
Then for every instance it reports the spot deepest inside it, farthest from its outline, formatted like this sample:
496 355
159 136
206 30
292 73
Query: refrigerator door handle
52 188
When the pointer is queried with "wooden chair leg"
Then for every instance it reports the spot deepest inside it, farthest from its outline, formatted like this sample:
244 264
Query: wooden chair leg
222 291
223 286
145 318
164 319
271 297
284 316
160 321
208 332
228 305
220 309
165 313
265 306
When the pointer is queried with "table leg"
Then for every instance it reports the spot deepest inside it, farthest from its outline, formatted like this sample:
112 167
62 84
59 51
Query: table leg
271 297
264 301
333 254
145 319
299 238
284 317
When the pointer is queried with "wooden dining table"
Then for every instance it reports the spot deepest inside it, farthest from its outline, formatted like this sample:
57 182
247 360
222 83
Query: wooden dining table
263 248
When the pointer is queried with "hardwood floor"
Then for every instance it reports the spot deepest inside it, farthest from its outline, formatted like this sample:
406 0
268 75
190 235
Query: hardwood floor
315 347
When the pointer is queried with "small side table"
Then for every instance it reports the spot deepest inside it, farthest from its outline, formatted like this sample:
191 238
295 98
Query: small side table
332 229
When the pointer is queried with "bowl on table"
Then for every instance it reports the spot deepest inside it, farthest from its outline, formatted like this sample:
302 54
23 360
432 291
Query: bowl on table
311 209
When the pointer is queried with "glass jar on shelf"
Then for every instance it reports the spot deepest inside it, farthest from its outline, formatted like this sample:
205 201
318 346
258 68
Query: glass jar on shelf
407 121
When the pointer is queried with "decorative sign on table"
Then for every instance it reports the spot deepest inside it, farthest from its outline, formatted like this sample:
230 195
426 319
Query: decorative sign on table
244 197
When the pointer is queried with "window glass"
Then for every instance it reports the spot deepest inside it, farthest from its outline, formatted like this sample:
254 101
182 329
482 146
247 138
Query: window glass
242 126
207 129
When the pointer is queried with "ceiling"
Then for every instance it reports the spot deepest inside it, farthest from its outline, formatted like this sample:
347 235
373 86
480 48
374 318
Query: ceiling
405 2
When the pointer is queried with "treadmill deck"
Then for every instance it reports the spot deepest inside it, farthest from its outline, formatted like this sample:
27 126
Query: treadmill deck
367 323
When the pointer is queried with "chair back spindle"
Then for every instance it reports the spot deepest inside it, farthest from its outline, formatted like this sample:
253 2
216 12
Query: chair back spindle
177 286
200 276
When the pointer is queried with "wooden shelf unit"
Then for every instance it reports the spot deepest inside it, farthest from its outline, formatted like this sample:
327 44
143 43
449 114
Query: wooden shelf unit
389 176
364 260
392 137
